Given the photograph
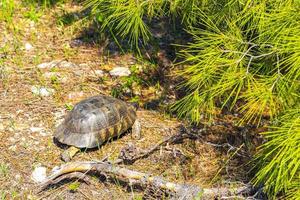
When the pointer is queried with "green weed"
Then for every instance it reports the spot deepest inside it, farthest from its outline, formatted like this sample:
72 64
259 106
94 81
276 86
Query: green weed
127 85
7 10
3 195
4 169
69 106
33 14
74 186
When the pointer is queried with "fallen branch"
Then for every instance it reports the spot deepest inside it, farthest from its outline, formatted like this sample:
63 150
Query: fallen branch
72 175
135 178
173 139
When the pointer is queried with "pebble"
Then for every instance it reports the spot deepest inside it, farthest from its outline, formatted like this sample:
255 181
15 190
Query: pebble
39 174
43 133
99 72
42 91
48 64
36 129
17 177
120 71
28 46
67 64
39 130
56 63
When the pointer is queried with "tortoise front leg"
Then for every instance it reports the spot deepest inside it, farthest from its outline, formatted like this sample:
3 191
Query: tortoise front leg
68 154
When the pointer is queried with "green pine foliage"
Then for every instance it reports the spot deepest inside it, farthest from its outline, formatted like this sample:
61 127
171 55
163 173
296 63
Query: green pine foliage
124 18
129 19
279 157
244 56
250 55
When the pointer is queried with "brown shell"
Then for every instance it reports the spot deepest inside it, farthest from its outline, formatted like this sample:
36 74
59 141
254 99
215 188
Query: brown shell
94 121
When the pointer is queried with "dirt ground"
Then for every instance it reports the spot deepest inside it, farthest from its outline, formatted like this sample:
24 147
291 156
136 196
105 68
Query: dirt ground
28 120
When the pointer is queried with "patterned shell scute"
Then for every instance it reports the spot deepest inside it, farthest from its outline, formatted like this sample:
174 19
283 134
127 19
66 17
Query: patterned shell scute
94 121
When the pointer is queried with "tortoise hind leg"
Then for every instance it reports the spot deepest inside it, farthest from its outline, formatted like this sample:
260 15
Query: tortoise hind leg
68 154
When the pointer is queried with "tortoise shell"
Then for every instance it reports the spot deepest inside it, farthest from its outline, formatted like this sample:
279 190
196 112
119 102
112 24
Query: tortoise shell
94 121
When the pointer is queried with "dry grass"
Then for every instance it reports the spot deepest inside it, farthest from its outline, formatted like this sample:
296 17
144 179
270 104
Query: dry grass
22 149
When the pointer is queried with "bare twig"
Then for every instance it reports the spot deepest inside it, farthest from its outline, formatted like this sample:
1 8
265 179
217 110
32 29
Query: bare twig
246 53
249 63
224 145
169 140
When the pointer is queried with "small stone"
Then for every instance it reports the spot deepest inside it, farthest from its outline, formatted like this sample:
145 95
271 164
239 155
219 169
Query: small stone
18 177
36 129
39 174
43 133
39 130
128 91
45 92
132 62
48 64
42 91
120 71
67 64
99 72
43 65
57 63
28 46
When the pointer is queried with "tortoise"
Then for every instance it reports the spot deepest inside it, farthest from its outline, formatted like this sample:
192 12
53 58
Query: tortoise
94 121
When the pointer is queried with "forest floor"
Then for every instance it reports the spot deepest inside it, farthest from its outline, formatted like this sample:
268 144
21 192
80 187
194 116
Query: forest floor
28 120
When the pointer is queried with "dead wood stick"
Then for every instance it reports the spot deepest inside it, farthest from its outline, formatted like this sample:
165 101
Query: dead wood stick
171 139
178 191
73 175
